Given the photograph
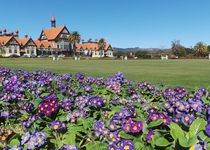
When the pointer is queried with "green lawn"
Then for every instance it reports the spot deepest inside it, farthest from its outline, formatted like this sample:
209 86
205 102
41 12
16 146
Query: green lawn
187 73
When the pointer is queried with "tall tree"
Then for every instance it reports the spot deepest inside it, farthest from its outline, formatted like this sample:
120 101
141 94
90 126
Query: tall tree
208 48
201 49
177 48
74 39
101 45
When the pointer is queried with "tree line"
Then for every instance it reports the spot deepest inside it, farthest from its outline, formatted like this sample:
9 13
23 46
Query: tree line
177 50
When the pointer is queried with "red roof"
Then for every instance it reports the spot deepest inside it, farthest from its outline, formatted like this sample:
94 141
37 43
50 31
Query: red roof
23 41
90 46
45 44
5 39
52 33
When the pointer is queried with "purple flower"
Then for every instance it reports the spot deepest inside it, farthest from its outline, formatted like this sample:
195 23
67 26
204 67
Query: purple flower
166 105
112 126
153 117
136 127
66 104
105 131
113 136
207 130
187 119
112 147
127 145
25 138
28 107
150 135
97 102
31 144
72 147
180 106
16 148
132 127
48 106
166 121
197 106
176 120
58 125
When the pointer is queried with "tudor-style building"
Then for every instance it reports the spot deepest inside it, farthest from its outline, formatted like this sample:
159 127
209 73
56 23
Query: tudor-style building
27 46
10 45
51 41
92 49
54 39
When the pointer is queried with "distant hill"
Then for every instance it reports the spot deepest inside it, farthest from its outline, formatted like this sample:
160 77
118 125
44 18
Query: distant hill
141 49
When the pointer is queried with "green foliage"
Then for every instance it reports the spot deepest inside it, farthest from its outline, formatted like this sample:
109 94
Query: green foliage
201 49
187 139
177 48
126 135
162 142
96 146
197 126
155 123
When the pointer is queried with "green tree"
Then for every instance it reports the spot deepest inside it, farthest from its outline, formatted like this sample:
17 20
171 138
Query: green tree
201 49
101 46
142 54
208 48
74 38
177 48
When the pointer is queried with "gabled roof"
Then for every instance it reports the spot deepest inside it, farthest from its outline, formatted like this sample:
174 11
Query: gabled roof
5 39
45 44
23 41
38 43
91 46
53 32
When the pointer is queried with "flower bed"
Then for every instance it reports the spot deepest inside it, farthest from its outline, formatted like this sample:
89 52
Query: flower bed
42 110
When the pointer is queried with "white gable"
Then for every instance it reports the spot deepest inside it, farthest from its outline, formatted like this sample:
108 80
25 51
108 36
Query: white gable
65 31
13 41
31 43
43 36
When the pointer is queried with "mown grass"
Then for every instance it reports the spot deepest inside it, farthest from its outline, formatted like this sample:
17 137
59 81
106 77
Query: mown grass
186 73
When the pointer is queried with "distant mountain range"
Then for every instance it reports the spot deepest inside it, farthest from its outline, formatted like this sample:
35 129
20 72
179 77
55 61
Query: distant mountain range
134 49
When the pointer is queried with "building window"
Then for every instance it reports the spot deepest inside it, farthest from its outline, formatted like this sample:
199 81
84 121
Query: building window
15 51
10 51
57 46
28 51
32 51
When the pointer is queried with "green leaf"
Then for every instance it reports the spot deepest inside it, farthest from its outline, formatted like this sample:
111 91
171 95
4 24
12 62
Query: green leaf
138 145
162 142
185 142
96 146
176 131
155 123
54 141
44 94
148 148
204 137
36 102
60 96
114 110
14 142
197 125
124 135
70 138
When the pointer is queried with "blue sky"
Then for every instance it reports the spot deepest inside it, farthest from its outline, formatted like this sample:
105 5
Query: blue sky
123 23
